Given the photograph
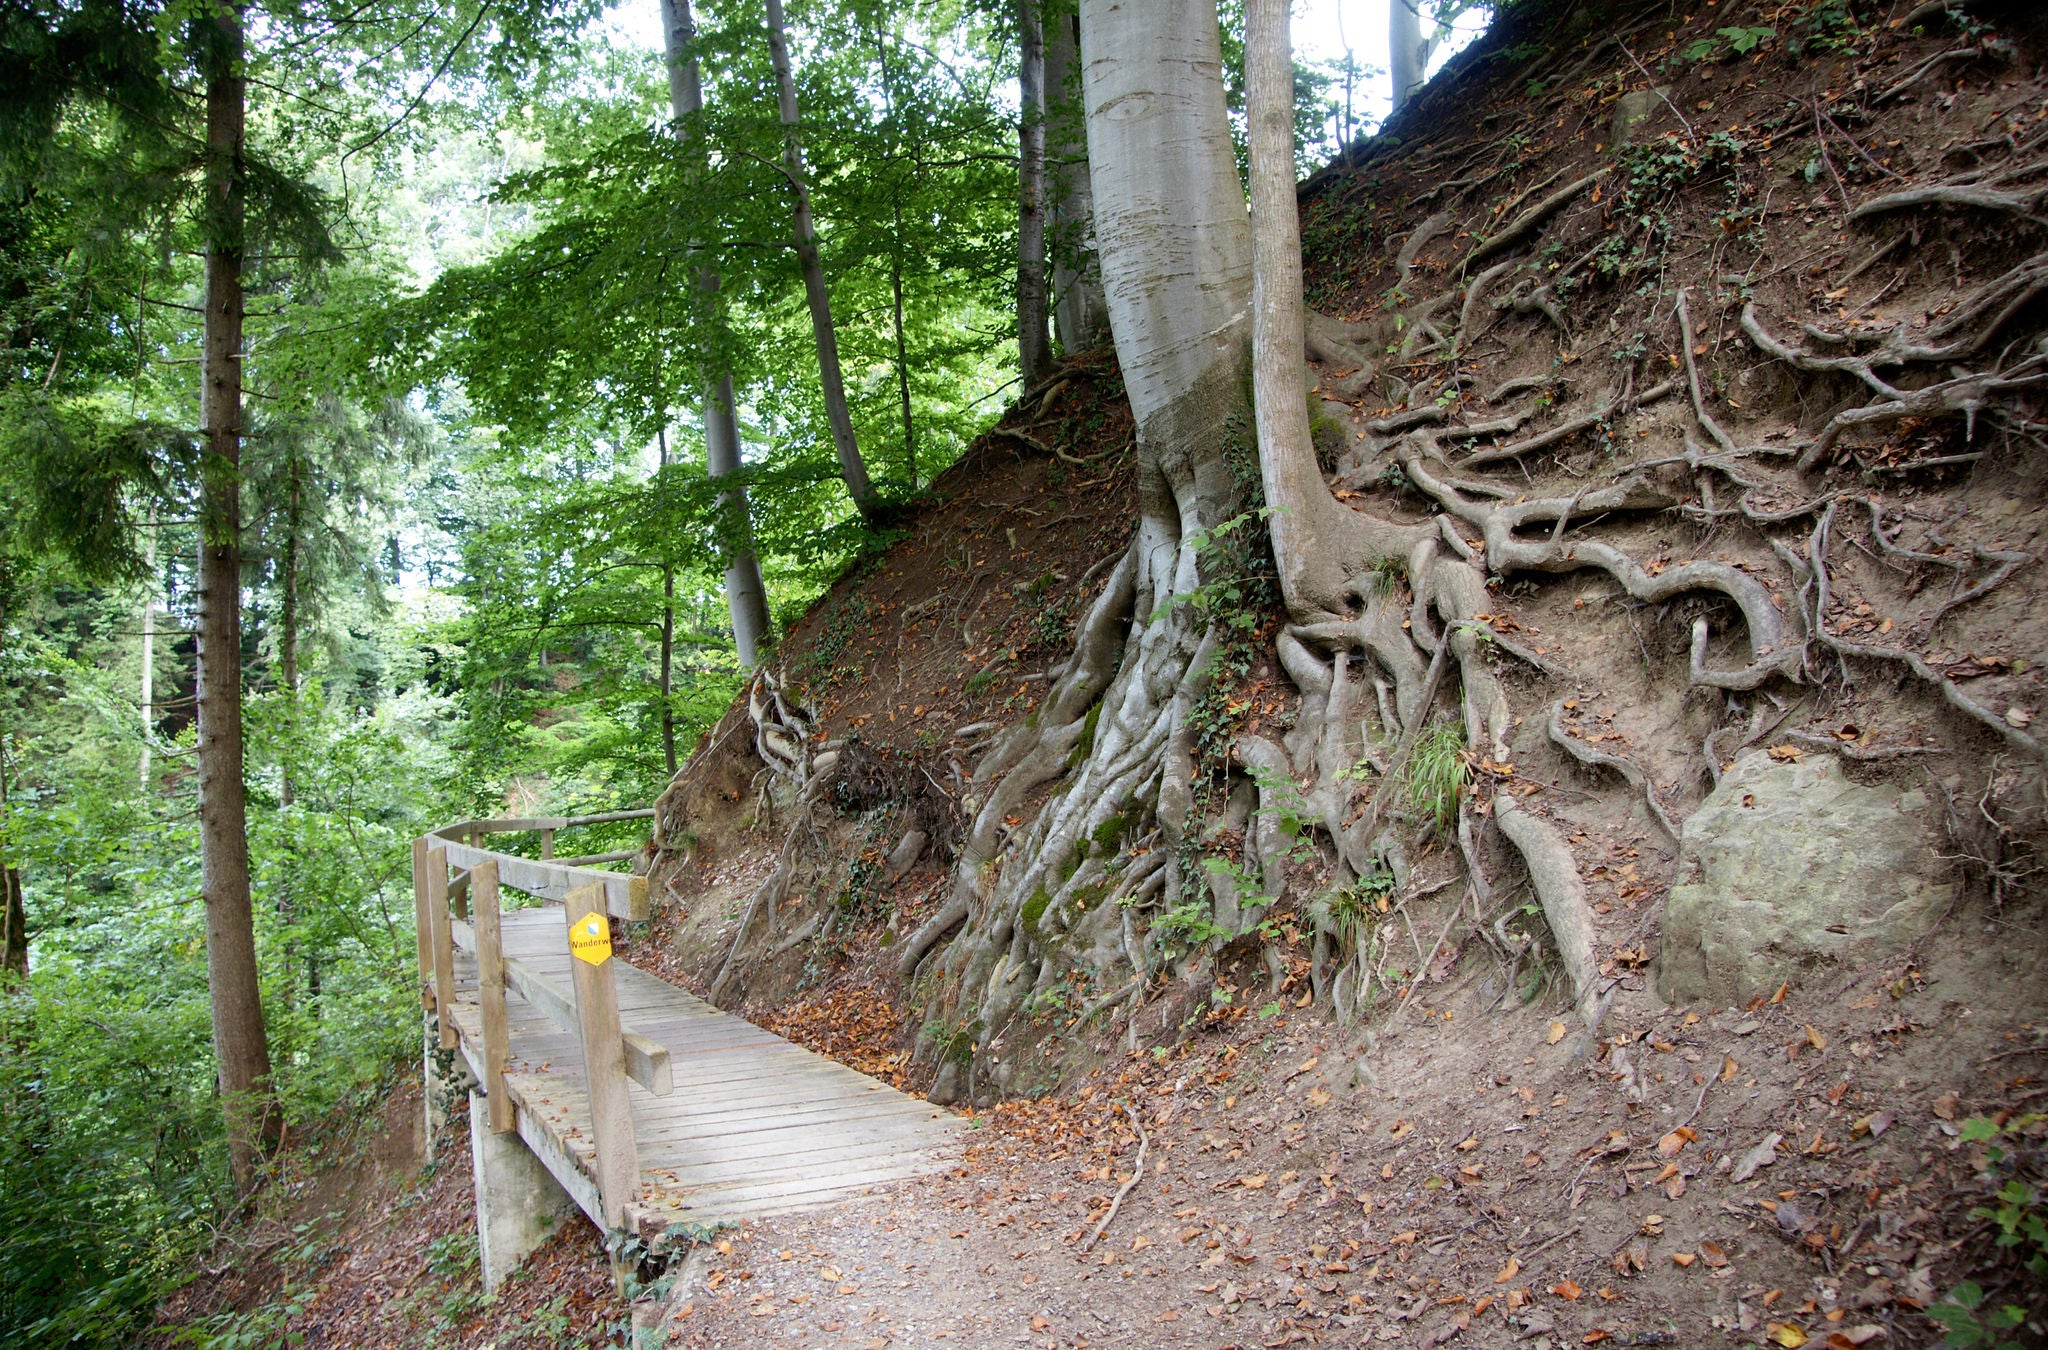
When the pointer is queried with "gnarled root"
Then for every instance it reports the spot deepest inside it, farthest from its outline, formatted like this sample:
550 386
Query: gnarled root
1555 877
1562 738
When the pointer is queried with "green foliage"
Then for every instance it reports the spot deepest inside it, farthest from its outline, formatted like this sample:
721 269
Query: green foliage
1725 42
1437 773
1187 926
1034 909
1359 904
2017 1213
1389 573
1969 1324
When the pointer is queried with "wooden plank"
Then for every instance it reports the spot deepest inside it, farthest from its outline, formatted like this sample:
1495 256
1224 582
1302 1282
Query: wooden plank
423 928
647 1059
798 1119
607 817
625 896
789 1187
604 1061
591 859
549 1148
819 1153
490 965
443 940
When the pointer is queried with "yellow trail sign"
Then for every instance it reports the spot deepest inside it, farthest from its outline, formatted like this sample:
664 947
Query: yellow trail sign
591 939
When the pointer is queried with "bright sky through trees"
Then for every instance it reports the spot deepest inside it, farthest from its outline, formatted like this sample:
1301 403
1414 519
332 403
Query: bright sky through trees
1320 30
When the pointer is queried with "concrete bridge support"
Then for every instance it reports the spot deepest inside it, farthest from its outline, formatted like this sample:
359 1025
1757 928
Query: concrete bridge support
519 1204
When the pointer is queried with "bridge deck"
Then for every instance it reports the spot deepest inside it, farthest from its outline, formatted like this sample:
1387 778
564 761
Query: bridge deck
755 1125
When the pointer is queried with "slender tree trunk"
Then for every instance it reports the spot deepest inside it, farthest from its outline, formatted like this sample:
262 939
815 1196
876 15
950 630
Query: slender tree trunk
746 598
288 625
13 915
1080 314
1034 341
288 663
240 1048
1410 56
668 666
147 701
13 929
1350 70
851 468
1279 386
903 352
896 267
668 645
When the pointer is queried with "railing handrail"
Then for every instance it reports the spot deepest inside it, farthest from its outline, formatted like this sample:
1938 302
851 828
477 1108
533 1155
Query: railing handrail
612 1052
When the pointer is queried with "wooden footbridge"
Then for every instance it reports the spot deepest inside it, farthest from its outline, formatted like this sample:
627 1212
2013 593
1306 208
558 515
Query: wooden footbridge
596 1085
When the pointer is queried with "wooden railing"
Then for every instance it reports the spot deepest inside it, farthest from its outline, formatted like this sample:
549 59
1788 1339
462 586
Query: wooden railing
456 896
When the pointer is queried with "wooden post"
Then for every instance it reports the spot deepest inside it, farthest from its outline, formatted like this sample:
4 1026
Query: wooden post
422 925
490 966
604 1062
547 844
444 943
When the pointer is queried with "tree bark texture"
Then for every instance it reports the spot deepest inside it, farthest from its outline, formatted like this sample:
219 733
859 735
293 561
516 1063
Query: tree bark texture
1080 314
1034 339
240 1046
851 468
13 928
1409 53
746 597
1175 250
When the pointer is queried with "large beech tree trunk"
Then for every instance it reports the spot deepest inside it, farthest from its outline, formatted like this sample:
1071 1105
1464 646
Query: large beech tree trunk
851 468
746 598
1034 340
1409 57
1080 314
1176 267
241 1049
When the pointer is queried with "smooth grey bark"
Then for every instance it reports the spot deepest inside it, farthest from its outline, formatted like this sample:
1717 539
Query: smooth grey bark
1034 339
1409 51
746 597
1317 542
851 467
1080 314
241 1049
1176 268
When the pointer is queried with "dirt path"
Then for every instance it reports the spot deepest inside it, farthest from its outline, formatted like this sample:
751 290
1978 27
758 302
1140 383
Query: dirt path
1501 1192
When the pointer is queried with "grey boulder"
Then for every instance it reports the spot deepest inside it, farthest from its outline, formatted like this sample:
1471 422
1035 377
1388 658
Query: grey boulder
1788 866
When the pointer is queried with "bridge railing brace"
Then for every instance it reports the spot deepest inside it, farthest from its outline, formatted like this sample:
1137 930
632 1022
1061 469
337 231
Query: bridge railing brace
612 1052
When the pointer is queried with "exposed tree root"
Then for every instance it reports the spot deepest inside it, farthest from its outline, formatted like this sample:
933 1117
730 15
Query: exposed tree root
1561 892
1586 754
1816 567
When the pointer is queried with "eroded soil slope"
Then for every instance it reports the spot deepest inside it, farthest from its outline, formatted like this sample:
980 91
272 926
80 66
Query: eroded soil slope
1767 276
